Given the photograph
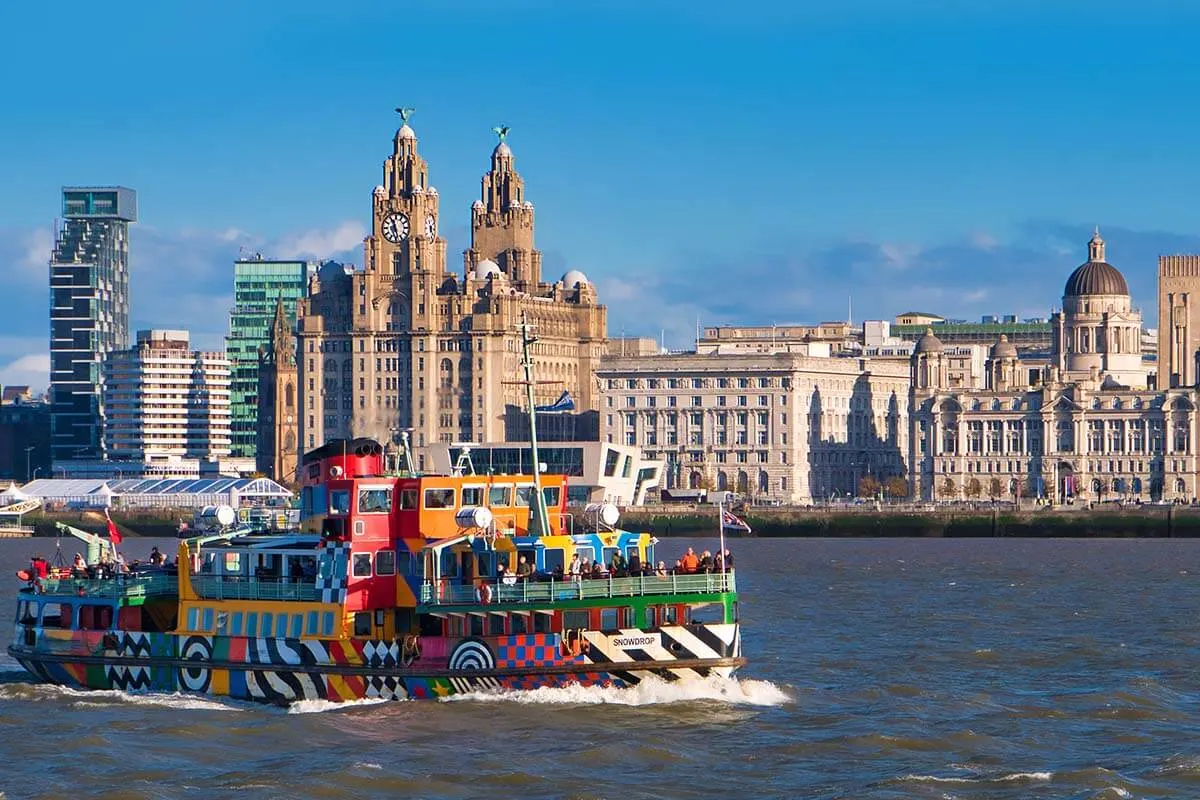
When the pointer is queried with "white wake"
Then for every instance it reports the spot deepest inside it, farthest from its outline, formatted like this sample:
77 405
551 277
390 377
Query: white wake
652 691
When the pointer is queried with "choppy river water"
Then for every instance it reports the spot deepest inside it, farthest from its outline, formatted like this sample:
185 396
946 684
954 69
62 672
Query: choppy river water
909 668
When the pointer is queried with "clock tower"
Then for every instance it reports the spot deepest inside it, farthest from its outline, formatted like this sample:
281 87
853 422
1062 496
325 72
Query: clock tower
502 222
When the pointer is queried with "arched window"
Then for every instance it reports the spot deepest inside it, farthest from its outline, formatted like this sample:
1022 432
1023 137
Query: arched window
722 482
764 481
743 482
446 374
289 395
694 480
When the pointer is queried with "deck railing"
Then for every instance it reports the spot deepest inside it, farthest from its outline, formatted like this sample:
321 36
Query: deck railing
119 586
527 591
211 587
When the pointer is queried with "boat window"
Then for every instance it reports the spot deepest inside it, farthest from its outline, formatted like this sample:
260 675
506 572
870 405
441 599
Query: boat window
362 565
95 617
449 564
552 494
233 563
385 562
575 619
609 552
408 499
339 501
476 624
252 624
553 559
542 622
208 619
327 623
520 623
705 614
193 618
495 624
235 623
297 626
628 619
25 613
439 498
266 626
362 623
56 615
585 553
668 615
608 619
472 495
406 564
523 495
454 626
374 500
499 496
312 623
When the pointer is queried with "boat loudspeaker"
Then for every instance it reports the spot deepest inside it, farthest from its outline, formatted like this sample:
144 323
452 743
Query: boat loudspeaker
335 471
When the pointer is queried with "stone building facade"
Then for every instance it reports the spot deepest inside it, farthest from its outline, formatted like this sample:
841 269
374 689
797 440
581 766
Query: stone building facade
406 344
1088 425
1179 320
777 426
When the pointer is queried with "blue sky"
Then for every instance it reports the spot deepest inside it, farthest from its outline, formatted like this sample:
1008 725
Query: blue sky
754 163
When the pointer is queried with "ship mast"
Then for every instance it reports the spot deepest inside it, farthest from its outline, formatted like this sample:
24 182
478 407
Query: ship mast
538 516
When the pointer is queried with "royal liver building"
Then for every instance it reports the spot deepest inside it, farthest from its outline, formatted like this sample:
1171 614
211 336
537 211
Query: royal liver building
1086 425
406 344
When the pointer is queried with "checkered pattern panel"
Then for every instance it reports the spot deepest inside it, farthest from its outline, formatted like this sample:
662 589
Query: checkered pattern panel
527 650
333 571
378 653
386 688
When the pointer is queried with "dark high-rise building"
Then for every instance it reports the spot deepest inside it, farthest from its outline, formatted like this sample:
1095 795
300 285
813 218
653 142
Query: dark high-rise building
89 312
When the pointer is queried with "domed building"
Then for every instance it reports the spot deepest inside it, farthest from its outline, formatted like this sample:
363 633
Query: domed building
1098 332
1082 428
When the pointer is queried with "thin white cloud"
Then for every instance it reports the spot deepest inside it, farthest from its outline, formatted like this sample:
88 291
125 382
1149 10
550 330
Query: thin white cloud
28 370
320 244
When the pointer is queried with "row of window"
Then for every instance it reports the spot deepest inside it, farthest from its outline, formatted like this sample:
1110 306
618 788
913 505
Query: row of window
695 383
697 401
260 623
378 499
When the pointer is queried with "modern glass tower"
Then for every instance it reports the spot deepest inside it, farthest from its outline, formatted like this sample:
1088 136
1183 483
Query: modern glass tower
258 283
89 312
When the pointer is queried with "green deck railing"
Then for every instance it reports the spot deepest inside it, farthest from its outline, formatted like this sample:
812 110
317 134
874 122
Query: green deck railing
218 588
537 592
120 586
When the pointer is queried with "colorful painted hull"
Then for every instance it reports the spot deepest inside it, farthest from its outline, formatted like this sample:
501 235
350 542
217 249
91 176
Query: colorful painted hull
288 670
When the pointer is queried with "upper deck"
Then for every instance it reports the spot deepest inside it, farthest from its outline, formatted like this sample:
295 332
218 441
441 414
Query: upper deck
449 593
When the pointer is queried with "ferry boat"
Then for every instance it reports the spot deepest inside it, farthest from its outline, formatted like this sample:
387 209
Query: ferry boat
405 586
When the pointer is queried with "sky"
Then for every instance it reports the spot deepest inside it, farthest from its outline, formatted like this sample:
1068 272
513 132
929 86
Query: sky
757 163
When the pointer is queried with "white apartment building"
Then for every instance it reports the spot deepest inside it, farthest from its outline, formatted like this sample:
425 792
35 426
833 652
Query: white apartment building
776 425
165 401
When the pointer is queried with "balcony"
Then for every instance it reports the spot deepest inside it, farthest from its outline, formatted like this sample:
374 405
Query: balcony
210 587
446 593
120 587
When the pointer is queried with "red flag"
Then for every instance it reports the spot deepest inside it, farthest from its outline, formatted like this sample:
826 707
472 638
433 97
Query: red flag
113 533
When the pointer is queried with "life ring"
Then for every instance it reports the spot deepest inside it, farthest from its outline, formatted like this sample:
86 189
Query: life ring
483 593
411 650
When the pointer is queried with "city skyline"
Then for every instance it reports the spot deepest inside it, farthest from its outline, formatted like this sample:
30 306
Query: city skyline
950 162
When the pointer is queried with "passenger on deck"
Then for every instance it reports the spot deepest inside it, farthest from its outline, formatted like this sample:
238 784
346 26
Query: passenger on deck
690 562
706 562
524 570
79 569
156 558
661 570
617 567
573 567
727 561
120 565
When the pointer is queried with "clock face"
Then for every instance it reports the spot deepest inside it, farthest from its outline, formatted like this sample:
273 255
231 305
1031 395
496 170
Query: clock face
430 226
395 227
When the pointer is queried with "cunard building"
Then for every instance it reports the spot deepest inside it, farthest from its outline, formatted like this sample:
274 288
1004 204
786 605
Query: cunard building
1089 425
404 343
